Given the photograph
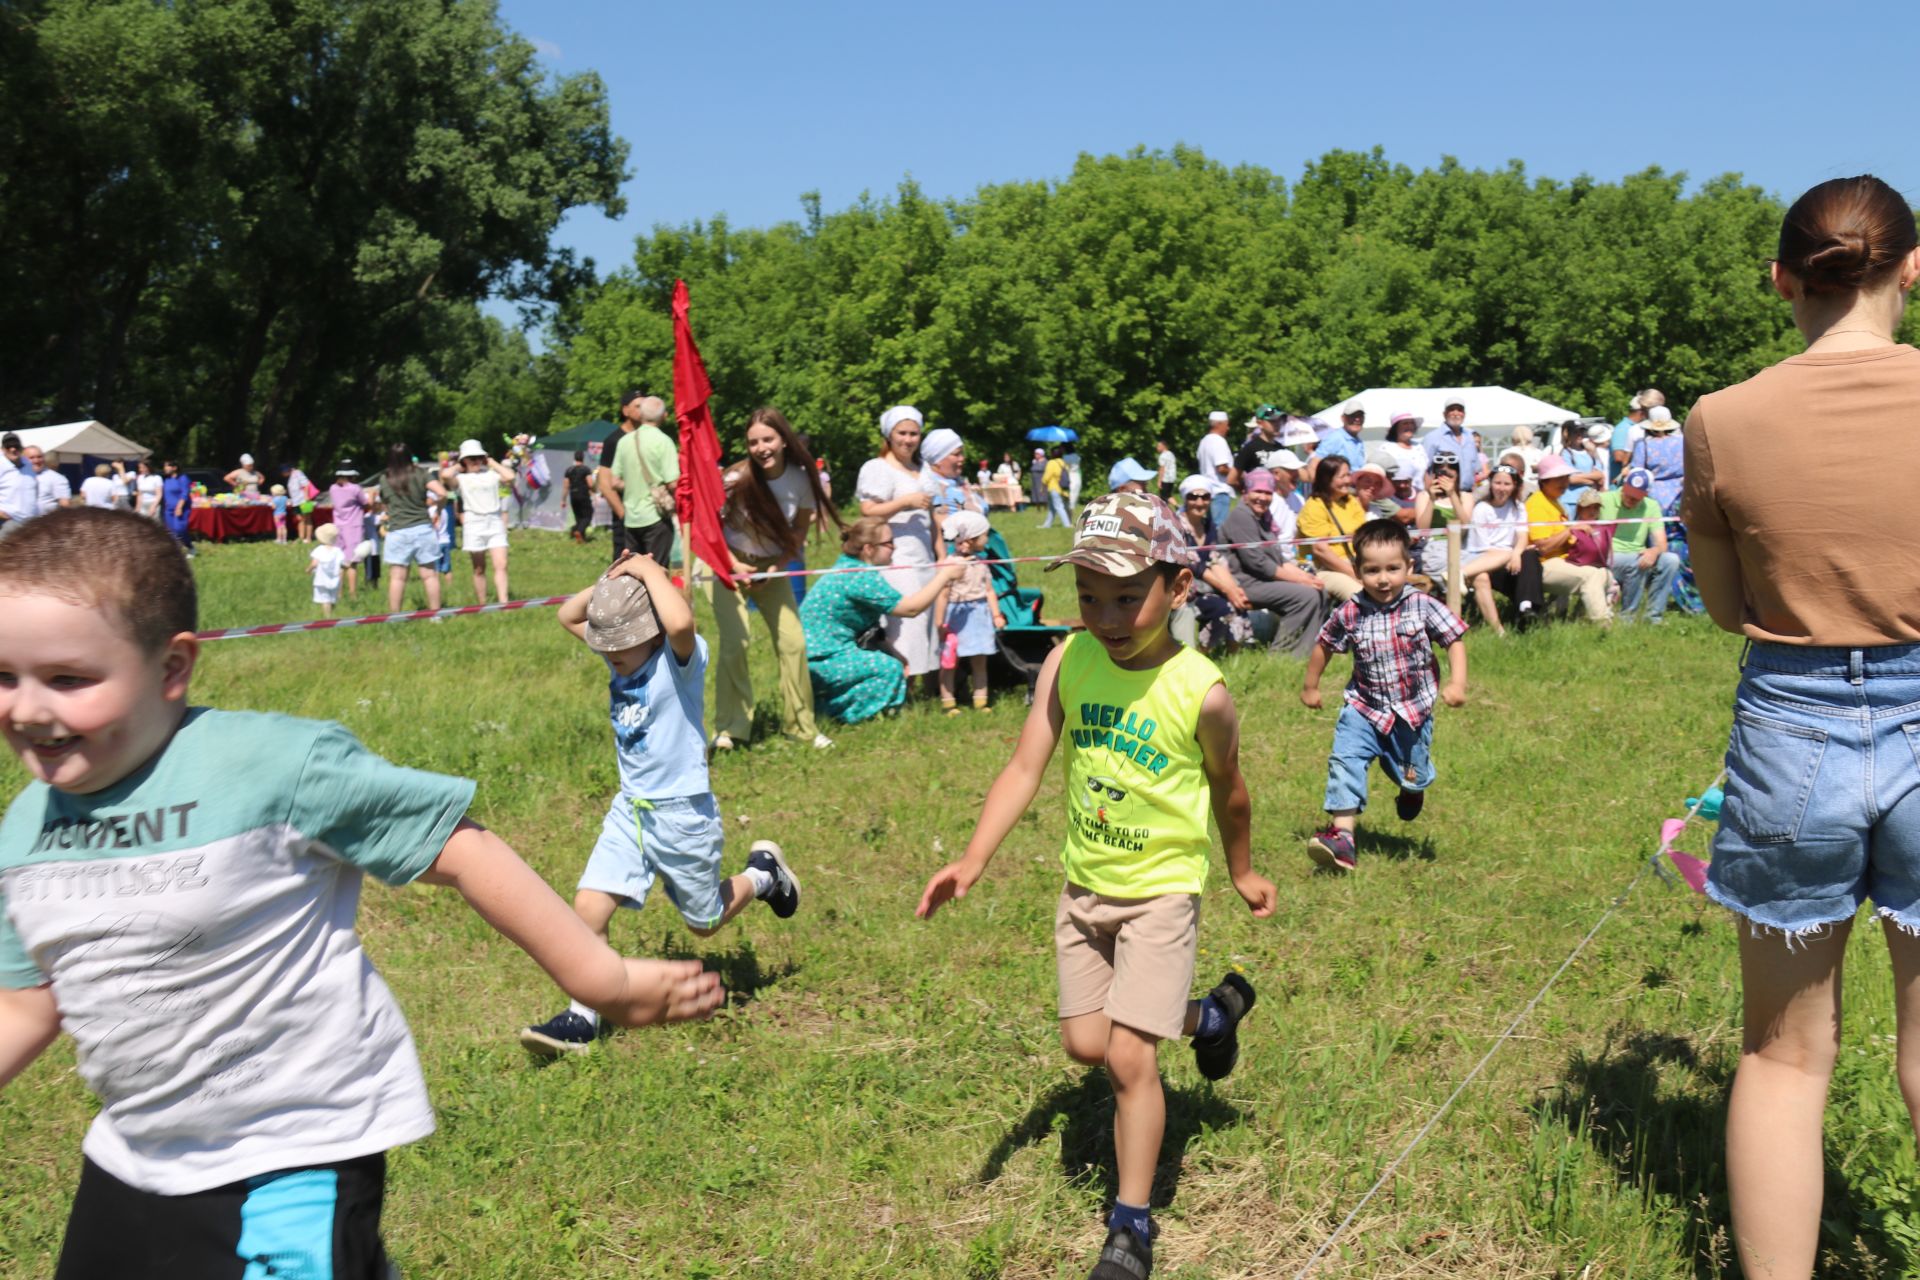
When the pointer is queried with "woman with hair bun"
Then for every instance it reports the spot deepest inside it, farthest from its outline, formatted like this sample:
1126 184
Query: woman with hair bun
1822 808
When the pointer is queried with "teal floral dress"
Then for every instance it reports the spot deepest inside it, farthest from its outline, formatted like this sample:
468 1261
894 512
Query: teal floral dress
850 684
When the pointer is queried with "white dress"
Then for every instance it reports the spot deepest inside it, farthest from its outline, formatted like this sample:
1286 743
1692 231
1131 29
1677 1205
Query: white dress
912 638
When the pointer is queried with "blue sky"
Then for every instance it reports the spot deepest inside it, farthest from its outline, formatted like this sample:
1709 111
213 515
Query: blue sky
738 108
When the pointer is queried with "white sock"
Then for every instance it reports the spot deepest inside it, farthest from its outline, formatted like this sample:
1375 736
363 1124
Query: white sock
591 1015
762 880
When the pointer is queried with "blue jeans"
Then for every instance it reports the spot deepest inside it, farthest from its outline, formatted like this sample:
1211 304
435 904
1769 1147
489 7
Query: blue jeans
1056 511
1822 808
1406 753
1656 582
1222 504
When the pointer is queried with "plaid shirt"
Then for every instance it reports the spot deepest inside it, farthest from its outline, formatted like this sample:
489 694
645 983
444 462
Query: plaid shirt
1392 647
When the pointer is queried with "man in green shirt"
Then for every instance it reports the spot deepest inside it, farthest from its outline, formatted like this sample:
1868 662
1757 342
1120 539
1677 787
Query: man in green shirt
1641 561
646 458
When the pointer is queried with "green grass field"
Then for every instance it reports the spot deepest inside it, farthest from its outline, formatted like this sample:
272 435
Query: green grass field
884 1097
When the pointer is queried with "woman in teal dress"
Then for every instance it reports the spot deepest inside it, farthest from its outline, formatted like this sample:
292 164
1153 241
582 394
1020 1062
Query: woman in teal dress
852 684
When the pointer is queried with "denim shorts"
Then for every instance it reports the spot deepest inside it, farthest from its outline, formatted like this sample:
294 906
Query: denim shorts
1822 808
677 842
415 544
1406 753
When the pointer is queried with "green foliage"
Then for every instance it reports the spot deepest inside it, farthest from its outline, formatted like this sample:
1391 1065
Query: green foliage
266 224
1143 290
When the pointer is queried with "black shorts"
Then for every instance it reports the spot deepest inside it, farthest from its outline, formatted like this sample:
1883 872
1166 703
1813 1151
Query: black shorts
323 1221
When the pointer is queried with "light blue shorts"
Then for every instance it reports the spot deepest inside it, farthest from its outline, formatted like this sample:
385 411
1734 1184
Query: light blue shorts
677 841
1822 808
416 544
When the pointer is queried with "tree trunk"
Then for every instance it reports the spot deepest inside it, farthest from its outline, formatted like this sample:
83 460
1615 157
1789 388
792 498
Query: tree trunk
233 433
126 301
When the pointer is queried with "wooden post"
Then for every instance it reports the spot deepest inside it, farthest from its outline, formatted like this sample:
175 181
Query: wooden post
1456 595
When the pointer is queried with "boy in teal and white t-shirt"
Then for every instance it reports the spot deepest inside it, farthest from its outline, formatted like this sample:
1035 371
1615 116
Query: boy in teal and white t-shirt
179 886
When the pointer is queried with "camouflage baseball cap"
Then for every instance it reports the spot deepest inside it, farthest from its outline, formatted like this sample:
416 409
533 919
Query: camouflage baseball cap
620 615
1127 533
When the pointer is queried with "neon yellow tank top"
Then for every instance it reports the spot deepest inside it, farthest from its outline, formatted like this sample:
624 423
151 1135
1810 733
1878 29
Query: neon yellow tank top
1137 794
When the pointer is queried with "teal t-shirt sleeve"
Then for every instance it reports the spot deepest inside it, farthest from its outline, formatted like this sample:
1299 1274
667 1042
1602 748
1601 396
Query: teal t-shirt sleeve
873 589
17 969
388 820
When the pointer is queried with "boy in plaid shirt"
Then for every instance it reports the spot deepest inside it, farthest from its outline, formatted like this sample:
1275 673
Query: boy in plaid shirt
1390 629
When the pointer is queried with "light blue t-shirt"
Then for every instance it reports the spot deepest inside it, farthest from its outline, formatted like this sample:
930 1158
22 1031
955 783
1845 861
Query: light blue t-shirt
1339 444
1580 460
1622 442
1441 440
196 922
659 725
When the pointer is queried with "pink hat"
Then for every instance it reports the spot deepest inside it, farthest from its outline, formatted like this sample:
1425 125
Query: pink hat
1399 418
1552 467
1373 469
1259 480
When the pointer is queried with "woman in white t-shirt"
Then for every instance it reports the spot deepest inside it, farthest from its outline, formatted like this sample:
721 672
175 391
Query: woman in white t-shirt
890 488
483 524
146 488
1499 554
774 496
97 489
1400 449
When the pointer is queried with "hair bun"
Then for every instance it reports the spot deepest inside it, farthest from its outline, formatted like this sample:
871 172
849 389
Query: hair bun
1842 260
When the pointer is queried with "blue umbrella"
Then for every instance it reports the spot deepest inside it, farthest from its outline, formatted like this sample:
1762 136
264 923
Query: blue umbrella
1053 435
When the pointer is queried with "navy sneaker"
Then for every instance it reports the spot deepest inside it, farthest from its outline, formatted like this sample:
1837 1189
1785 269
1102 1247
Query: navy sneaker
563 1033
1125 1257
1216 1054
784 896
1333 849
1408 804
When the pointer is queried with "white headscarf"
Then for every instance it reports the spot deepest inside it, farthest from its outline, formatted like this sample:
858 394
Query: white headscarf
895 416
937 444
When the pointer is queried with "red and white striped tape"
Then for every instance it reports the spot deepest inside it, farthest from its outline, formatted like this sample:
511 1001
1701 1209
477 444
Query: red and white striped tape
418 615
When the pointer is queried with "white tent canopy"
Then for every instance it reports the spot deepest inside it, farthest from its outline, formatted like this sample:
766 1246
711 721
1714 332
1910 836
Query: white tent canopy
1492 411
75 441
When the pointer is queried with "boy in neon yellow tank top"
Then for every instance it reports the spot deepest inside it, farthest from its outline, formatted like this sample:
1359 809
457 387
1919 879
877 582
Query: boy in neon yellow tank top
1153 746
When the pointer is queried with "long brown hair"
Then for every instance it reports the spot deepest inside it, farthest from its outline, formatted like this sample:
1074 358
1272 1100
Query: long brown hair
753 501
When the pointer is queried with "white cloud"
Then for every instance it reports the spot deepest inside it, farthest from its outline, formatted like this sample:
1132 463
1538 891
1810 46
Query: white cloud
546 48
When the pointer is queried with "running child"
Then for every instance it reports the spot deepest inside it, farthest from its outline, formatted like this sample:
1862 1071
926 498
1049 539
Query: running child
1390 629
967 614
1154 744
324 565
663 825
178 887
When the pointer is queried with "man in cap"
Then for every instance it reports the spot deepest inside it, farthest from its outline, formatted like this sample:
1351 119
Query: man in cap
1263 444
1453 437
1137 845
1038 470
1216 464
1346 443
1642 564
1128 476
19 495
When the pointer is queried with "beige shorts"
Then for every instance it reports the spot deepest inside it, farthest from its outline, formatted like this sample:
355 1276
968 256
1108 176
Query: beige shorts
1130 958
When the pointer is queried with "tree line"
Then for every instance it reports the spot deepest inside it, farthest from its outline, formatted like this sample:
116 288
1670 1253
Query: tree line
1143 290
267 224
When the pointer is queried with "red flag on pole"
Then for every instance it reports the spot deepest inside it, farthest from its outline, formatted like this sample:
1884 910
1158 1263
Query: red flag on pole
700 493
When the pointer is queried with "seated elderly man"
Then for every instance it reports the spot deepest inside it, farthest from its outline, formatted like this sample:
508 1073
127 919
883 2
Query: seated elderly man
1267 572
1641 562
1552 539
